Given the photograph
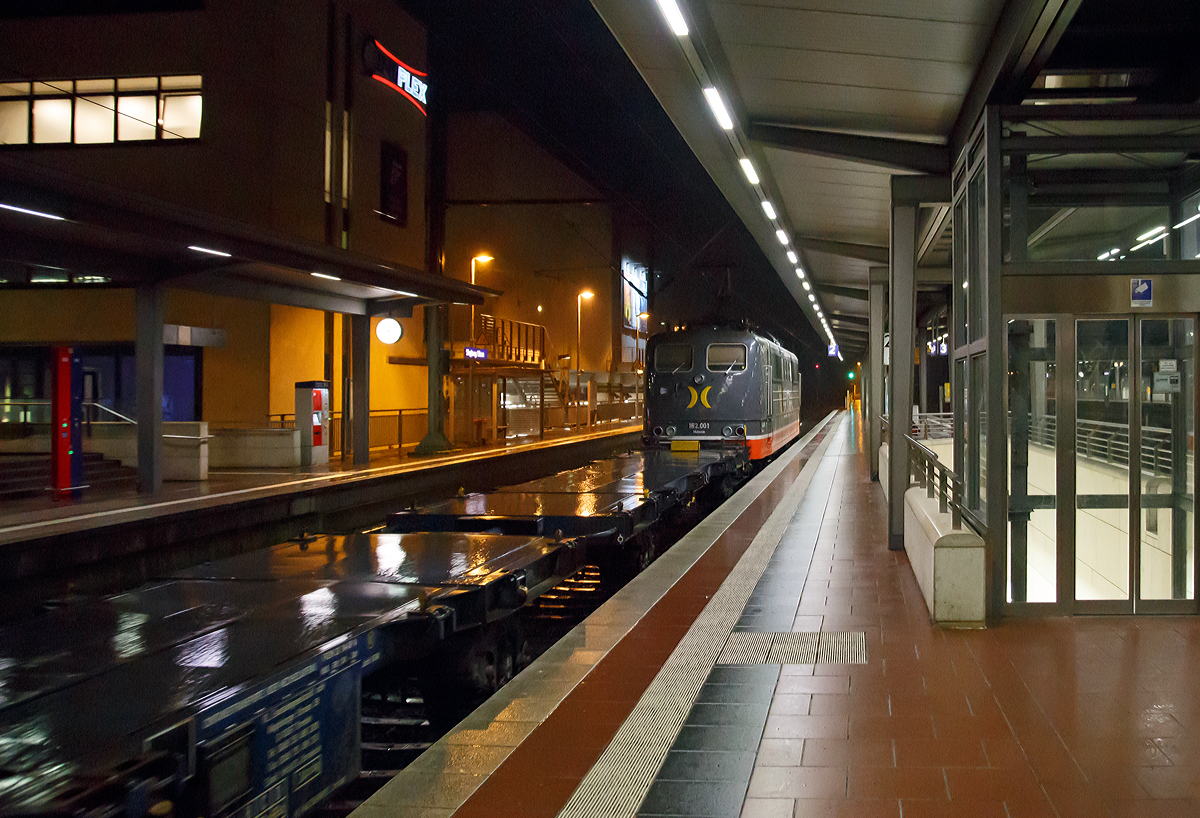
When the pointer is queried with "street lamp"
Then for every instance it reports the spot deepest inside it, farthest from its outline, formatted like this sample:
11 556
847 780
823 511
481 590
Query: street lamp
481 258
578 356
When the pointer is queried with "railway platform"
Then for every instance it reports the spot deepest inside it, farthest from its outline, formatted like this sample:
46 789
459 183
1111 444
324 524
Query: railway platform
117 540
779 660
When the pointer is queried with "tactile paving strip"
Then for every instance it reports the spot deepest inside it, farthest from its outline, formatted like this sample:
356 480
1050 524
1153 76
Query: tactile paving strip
801 648
843 648
618 782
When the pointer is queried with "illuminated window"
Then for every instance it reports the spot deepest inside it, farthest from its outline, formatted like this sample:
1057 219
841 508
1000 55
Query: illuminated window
101 111
726 357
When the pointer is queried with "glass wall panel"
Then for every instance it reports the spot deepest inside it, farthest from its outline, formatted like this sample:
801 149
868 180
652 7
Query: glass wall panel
94 117
977 462
1168 405
960 274
135 117
14 122
1102 459
1033 434
52 120
977 255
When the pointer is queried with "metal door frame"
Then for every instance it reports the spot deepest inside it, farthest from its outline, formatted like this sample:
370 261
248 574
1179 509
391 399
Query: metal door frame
1065 467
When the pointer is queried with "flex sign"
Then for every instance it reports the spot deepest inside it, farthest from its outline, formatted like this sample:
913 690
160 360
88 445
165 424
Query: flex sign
387 69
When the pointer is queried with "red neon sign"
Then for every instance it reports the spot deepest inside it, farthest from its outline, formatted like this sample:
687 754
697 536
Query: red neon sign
405 79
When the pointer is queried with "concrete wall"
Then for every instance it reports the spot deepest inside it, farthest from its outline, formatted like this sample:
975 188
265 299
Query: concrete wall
185 447
254 448
949 564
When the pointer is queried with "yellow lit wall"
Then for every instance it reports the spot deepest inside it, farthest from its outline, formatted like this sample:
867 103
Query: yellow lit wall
543 254
66 317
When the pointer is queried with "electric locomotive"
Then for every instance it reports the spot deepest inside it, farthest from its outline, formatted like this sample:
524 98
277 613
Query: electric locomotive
713 386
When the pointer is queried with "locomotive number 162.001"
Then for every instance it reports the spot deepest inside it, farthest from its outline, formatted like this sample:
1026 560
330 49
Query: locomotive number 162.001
698 426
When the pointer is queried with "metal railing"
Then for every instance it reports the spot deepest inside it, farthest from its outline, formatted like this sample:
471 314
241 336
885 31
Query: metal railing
1108 443
937 479
510 341
387 428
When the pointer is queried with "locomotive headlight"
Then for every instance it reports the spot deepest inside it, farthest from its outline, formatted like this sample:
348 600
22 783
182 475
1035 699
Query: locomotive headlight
727 431
741 431
699 379
657 430
670 431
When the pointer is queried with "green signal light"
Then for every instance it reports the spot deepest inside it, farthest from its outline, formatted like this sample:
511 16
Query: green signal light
850 375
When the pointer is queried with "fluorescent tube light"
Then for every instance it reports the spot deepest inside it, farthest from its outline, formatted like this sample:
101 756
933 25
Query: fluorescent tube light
37 213
210 252
807 286
748 169
326 276
782 236
793 258
769 209
1153 232
1186 222
800 273
718 108
670 10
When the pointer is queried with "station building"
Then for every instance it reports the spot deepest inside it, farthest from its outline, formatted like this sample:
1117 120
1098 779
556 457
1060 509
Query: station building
269 181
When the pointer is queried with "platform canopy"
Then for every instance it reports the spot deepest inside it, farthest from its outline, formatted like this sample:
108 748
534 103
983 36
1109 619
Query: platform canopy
62 231
828 98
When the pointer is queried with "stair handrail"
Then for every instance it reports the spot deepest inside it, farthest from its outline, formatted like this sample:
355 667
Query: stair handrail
112 412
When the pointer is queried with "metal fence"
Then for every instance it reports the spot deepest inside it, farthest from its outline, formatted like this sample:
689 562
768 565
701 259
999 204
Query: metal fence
388 428
937 479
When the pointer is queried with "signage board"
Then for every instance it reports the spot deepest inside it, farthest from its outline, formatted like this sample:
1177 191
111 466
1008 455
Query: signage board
475 354
1168 365
1165 382
634 286
833 350
384 67
1141 292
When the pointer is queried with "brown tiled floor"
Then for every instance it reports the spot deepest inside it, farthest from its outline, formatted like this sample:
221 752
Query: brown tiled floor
1051 717
1067 717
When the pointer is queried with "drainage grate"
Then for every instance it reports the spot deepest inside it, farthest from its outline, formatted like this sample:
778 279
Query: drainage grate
804 648
843 648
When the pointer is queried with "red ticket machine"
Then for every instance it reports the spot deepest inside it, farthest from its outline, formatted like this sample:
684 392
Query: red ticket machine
312 420
66 409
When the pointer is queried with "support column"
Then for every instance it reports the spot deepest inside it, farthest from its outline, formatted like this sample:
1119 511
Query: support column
877 282
360 331
150 306
923 370
437 134
900 387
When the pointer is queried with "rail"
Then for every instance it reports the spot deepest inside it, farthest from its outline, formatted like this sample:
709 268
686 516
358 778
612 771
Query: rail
937 479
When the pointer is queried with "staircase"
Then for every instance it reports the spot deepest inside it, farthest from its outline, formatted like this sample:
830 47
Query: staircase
27 475
524 414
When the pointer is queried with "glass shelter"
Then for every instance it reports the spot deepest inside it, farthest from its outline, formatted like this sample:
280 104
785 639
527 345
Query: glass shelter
1076 265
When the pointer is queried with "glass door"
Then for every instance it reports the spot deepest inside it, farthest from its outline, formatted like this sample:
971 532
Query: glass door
1166 398
1134 465
1102 464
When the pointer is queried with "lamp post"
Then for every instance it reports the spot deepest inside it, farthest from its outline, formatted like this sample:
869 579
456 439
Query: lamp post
481 258
578 355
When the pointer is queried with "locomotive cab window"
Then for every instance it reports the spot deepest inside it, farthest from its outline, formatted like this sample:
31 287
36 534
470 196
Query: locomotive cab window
673 358
726 357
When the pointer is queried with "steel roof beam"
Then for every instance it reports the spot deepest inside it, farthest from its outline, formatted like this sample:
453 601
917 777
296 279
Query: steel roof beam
857 293
882 151
876 253
1024 37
